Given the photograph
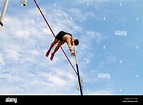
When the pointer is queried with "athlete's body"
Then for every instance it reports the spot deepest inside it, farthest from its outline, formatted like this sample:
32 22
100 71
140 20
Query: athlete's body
61 38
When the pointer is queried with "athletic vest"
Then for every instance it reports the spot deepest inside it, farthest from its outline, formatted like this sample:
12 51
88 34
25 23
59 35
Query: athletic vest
61 34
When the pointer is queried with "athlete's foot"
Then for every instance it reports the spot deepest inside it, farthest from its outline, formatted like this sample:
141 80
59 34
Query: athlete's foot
47 53
52 55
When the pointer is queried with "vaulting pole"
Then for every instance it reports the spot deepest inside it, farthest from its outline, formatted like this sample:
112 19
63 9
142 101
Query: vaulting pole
54 34
79 78
76 71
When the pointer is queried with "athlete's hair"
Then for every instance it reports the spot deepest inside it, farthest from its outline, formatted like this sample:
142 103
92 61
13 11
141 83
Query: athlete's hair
76 42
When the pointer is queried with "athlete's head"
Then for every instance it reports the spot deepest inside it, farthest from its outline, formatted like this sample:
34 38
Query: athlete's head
76 42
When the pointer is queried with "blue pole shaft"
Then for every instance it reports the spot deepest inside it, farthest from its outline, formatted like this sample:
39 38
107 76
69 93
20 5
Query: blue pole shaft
79 80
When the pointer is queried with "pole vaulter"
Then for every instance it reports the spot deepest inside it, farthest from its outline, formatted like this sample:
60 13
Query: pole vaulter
3 13
76 71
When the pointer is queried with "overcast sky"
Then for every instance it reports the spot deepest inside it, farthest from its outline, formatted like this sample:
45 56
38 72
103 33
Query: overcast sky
109 52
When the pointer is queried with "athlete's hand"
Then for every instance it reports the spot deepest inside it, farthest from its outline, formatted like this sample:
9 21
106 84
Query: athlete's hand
72 53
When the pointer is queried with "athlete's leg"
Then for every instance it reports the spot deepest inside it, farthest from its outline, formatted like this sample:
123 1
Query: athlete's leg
56 49
51 46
